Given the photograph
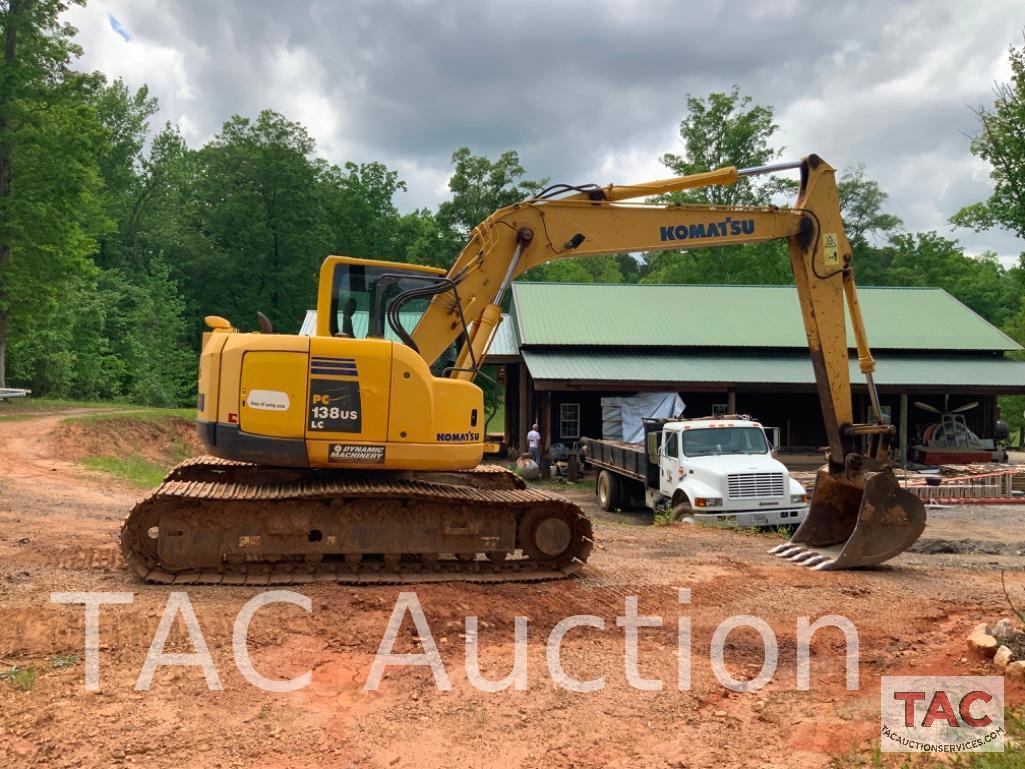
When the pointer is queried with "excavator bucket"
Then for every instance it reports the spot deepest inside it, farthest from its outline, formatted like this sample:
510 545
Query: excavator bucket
855 522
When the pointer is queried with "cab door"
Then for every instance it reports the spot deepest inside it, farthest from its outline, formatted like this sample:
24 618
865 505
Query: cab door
669 462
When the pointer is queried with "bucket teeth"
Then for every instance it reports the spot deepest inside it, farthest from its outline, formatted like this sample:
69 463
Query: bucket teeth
803 556
779 548
821 563
789 550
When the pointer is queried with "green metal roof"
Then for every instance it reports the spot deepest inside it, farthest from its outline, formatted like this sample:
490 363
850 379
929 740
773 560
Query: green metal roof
660 366
627 315
361 324
505 342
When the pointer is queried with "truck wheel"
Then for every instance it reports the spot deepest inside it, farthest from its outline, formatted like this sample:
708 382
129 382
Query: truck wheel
609 490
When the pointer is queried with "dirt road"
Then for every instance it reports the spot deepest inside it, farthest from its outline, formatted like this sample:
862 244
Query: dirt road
58 530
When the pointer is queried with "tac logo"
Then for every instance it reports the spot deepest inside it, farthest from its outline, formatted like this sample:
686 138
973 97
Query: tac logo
941 714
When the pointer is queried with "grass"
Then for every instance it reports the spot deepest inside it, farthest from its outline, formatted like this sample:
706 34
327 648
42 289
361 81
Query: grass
562 485
29 403
59 661
27 408
23 678
135 470
665 516
138 414
497 423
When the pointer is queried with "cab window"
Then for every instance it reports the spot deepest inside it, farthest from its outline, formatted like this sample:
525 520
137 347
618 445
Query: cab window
671 446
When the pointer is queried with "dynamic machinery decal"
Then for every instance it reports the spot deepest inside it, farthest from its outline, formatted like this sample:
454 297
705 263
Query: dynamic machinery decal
341 453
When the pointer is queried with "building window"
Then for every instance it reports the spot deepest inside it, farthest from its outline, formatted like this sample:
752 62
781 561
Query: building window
569 420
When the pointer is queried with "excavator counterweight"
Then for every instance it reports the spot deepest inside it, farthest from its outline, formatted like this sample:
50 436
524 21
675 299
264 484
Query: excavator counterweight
352 455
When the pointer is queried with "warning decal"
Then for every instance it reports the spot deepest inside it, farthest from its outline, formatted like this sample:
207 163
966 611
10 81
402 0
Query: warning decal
830 248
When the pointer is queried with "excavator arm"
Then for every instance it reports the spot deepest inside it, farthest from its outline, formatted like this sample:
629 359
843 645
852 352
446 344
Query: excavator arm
607 221
859 514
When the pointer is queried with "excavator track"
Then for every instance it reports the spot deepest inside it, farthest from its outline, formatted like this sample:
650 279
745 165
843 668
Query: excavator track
217 521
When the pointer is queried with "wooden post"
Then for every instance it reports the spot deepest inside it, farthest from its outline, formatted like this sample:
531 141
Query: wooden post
512 405
572 468
545 422
731 402
525 407
903 430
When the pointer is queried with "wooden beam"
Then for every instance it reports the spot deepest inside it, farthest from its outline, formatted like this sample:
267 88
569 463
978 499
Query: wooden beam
903 430
545 421
525 407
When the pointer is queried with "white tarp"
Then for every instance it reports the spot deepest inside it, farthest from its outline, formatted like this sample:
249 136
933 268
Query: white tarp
622 418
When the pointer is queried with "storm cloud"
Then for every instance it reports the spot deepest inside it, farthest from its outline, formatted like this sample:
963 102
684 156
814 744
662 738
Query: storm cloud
585 91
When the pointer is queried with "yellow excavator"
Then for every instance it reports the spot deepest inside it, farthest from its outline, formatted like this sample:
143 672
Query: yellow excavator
352 455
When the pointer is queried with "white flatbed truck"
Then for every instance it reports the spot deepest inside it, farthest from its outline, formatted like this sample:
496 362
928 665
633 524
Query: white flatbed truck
718 470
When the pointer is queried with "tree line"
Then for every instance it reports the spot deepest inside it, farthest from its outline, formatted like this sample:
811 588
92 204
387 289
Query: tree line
117 237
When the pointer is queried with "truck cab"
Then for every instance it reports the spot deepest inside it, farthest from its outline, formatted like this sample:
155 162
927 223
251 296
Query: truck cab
718 470
722 470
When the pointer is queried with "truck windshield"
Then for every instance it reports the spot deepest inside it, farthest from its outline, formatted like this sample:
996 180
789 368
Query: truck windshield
714 441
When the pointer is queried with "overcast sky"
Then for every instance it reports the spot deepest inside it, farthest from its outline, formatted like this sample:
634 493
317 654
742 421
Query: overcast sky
586 91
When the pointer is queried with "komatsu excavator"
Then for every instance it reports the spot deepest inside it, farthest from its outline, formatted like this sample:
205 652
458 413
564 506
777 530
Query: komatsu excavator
353 455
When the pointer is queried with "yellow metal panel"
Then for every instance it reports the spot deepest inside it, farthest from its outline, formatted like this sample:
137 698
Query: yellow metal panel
413 389
235 347
392 456
273 394
209 376
348 395
426 409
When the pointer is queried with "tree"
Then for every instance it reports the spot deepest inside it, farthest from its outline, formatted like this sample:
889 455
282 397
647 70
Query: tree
861 206
50 206
724 130
480 187
260 215
1013 406
1001 142
37 53
124 117
361 212
929 259
421 239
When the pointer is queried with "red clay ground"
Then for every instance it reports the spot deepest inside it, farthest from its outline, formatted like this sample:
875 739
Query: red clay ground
58 532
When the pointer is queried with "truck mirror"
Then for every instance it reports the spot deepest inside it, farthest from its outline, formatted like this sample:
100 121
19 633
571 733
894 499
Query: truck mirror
654 444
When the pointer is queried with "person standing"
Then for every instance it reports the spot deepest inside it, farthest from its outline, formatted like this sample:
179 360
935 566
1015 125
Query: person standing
534 445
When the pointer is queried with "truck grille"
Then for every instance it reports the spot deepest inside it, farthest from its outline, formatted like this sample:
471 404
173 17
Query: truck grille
747 485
